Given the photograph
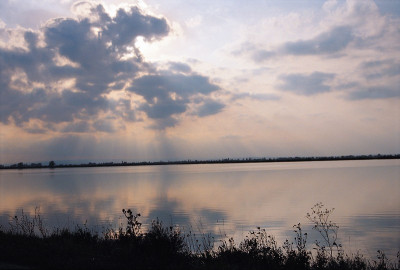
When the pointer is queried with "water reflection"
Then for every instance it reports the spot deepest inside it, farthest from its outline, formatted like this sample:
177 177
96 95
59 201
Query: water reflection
223 199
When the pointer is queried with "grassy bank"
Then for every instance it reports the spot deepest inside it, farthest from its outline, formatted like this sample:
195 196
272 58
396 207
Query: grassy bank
28 243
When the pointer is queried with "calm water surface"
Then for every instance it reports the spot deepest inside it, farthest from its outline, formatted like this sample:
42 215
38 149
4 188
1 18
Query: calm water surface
222 199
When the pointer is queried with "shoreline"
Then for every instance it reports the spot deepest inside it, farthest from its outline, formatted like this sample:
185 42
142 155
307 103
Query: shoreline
21 165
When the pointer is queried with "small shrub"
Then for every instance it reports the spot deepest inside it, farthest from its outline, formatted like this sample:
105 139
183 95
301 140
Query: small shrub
298 258
326 228
133 228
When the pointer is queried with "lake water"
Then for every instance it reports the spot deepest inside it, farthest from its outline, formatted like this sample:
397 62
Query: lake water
221 199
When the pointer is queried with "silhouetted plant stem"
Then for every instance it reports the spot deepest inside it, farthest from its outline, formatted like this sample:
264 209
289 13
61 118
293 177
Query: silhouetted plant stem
326 228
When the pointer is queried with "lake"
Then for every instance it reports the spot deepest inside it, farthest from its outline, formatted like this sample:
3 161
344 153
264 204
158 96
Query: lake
220 199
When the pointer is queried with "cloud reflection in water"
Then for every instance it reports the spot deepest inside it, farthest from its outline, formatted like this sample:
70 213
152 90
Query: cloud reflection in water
223 199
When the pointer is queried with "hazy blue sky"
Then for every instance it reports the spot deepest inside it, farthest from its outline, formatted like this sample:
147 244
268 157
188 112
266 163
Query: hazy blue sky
179 79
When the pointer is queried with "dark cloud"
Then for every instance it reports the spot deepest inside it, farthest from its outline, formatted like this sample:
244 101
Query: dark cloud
306 84
94 64
164 108
99 61
64 73
65 107
164 85
120 30
169 94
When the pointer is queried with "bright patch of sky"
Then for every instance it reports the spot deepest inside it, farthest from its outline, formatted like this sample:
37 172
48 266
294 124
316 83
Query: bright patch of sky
151 80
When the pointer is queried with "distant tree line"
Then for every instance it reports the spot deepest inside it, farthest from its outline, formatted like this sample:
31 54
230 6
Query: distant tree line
52 164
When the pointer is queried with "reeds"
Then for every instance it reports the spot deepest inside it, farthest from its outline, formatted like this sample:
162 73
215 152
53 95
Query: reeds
28 243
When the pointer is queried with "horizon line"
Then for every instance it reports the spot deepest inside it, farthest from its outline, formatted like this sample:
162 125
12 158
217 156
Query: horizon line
53 164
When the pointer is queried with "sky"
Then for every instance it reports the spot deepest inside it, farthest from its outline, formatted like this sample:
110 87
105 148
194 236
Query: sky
189 79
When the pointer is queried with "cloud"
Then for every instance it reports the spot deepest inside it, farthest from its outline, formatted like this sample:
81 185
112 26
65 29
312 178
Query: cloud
104 125
254 52
121 32
209 107
98 57
64 74
380 68
262 55
377 92
341 27
362 91
306 84
389 7
164 108
163 85
168 94
180 67
330 42
78 127
347 85
382 81
256 96
50 107
29 14
374 63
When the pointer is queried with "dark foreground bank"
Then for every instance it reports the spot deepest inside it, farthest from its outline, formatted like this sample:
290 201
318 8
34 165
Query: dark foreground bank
27 244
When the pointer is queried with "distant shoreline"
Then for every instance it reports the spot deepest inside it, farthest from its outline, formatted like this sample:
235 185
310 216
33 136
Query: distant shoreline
53 165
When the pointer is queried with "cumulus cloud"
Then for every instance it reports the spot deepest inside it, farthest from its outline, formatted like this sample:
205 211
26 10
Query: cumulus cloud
65 73
303 84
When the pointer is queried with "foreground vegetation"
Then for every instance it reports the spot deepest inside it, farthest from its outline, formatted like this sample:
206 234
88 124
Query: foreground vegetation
28 243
